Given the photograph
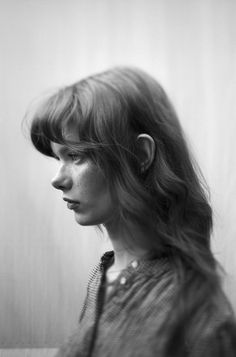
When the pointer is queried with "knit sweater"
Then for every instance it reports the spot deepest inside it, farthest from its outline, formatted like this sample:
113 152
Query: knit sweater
129 321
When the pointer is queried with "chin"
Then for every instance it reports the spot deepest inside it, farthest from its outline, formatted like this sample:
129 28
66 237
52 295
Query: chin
84 220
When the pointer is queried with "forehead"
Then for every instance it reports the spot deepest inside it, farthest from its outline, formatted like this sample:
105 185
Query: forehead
70 133
70 136
58 148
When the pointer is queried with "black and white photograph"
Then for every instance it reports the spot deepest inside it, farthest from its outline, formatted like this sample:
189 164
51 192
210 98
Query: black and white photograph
118 178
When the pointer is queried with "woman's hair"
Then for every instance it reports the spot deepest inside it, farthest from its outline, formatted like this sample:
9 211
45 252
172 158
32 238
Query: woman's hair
107 111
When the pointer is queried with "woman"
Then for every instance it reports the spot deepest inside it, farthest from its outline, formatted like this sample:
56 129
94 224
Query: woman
125 166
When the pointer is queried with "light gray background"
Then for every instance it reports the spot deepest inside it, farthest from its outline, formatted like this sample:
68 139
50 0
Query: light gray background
189 45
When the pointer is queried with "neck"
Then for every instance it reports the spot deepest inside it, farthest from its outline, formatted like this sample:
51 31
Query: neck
124 246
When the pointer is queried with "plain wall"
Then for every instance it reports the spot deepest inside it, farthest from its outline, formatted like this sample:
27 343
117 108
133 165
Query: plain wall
189 46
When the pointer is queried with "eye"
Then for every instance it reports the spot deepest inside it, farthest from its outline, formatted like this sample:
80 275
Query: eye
74 156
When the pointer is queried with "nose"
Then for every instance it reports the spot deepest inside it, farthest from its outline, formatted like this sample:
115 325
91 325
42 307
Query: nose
62 180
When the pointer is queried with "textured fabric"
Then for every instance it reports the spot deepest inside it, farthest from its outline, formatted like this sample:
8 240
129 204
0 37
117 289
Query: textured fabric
128 322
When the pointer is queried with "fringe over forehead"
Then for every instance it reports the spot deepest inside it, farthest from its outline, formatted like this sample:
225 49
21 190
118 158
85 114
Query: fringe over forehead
95 110
105 110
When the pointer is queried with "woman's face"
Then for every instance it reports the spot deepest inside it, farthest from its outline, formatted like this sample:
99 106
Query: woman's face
84 187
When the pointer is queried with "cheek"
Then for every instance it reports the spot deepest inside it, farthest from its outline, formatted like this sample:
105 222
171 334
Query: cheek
90 181
96 203
95 186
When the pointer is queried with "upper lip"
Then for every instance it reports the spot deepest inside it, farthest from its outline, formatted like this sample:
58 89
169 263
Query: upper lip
69 200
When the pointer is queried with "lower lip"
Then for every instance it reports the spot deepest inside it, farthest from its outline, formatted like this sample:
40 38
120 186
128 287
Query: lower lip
73 206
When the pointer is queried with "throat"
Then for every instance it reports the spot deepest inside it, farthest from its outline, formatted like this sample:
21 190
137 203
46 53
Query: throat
112 275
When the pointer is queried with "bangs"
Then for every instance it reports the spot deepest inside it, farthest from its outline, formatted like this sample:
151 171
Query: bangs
59 119
85 117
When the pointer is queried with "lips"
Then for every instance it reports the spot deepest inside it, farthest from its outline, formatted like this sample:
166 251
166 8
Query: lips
73 205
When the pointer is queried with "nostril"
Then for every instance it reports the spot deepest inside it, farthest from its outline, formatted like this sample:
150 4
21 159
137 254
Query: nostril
58 187
56 184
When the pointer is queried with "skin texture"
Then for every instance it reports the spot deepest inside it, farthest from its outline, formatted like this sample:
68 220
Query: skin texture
81 181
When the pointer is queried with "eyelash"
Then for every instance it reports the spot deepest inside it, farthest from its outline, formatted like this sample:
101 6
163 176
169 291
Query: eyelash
74 156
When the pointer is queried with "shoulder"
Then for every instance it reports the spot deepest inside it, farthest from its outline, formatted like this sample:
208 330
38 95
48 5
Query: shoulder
219 341
218 335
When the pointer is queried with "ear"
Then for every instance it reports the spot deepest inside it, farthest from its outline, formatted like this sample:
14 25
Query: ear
145 151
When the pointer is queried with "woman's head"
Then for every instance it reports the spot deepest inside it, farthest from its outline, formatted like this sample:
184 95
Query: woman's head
106 117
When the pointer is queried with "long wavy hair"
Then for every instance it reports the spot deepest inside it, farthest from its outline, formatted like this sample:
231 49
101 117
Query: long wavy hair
169 201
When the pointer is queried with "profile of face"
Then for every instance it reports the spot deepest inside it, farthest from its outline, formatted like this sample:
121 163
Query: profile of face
84 187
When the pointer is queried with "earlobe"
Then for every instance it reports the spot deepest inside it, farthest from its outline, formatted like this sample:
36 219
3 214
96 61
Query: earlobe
146 151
